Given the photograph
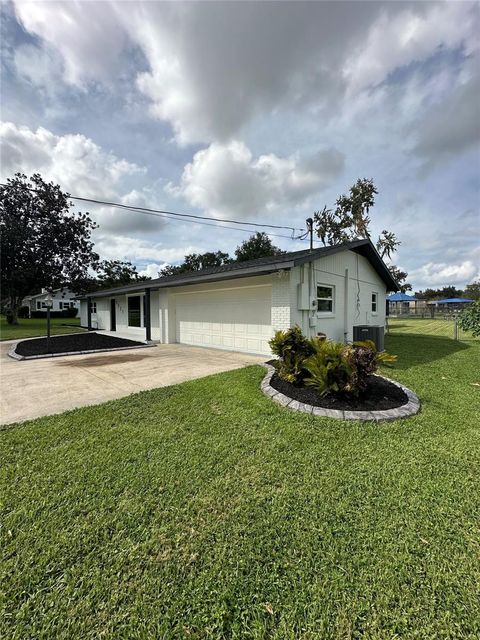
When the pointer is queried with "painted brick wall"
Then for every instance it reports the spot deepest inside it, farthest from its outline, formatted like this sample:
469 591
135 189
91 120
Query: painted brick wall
281 301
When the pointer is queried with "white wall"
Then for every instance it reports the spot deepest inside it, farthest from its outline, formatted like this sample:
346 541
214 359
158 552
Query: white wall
352 304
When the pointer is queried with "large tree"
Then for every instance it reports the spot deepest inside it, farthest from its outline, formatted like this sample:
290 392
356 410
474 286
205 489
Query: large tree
44 244
350 219
109 274
257 246
472 290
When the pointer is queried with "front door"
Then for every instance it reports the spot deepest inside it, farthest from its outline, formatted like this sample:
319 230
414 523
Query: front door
113 315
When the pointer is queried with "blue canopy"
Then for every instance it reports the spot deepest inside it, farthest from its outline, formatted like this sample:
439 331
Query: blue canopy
454 301
401 297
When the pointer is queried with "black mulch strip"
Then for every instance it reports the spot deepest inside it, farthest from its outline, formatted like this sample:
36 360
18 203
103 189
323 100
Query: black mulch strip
380 394
73 342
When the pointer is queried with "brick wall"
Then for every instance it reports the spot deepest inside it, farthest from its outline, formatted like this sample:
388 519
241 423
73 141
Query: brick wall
281 301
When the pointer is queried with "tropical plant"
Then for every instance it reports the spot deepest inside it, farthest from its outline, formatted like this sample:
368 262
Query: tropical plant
339 368
329 369
292 348
365 360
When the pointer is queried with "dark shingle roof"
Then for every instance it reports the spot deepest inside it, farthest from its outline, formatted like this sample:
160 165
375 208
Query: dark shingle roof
258 267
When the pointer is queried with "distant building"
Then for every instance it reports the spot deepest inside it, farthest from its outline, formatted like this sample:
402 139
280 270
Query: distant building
62 299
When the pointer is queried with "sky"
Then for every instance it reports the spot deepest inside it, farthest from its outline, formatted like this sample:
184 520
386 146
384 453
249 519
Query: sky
255 111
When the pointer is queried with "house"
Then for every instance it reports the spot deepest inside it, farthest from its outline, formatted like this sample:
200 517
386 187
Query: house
61 299
238 306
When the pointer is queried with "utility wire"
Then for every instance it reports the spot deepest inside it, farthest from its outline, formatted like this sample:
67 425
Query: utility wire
149 211
195 219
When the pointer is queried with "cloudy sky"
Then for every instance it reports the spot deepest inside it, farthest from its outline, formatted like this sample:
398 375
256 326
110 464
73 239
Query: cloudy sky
262 112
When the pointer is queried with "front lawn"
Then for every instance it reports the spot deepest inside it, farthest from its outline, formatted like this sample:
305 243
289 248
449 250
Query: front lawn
32 327
204 510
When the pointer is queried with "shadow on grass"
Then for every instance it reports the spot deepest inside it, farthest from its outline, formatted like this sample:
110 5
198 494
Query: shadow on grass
414 349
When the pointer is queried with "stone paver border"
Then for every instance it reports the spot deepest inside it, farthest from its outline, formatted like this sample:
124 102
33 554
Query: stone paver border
411 408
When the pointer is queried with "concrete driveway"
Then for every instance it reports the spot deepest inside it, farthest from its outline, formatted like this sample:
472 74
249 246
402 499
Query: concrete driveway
34 388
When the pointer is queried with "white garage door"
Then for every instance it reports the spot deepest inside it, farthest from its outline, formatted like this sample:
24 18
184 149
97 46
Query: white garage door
235 319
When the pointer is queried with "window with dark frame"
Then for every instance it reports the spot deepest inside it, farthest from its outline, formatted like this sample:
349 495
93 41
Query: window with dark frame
134 311
93 307
374 302
324 298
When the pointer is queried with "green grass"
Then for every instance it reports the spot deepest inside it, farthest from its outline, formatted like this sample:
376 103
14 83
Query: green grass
204 510
32 327
426 326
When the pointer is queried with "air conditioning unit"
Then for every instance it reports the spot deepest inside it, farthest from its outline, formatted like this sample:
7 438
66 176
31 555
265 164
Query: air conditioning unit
368 332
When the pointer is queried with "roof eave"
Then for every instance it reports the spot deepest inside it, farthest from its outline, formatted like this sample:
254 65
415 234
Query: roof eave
194 278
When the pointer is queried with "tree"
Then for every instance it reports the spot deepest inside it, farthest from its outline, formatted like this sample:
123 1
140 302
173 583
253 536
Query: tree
115 273
257 246
472 290
350 219
43 243
400 277
469 319
439 294
197 261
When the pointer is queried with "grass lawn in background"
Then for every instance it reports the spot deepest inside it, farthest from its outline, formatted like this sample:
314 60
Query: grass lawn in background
426 326
32 327
204 510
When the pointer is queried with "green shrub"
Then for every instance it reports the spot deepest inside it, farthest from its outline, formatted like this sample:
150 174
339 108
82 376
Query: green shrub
340 368
24 312
469 319
329 369
292 348
365 360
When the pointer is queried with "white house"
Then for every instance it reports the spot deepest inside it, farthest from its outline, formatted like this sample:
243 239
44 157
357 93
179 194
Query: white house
238 306
61 299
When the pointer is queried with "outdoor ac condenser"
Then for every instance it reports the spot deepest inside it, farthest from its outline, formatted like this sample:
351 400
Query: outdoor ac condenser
367 332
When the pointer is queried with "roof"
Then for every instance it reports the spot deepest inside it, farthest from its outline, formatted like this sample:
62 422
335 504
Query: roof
401 297
260 266
454 300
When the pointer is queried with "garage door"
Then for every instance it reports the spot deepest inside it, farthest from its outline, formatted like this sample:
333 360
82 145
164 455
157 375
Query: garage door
235 319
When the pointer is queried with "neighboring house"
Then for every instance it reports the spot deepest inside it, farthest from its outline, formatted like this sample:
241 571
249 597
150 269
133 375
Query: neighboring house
238 306
61 298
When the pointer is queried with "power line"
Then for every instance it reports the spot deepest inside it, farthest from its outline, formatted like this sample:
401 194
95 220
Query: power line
165 212
194 218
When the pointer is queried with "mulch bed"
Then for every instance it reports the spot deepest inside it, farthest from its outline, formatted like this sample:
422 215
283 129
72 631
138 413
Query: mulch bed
71 343
380 394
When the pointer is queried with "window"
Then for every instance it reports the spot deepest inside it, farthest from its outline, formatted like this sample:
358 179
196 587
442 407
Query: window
134 311
72 304
374 302
93 307
39 304
324 298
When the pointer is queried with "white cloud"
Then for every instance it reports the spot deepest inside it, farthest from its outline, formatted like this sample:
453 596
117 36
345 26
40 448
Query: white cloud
442 274
88 37
79 165
151 270
226 180
410 36
137 250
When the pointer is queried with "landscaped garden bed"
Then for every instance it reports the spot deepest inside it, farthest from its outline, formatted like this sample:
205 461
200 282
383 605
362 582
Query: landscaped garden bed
335 380
380 394
73 343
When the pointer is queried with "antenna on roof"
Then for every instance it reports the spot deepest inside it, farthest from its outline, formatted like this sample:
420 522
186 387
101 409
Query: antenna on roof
309 223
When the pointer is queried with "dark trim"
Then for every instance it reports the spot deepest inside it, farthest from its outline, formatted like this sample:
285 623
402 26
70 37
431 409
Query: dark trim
147 318
89 313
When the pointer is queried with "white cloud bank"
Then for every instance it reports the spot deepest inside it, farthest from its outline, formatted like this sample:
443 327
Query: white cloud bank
226 180
442 274
211 68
